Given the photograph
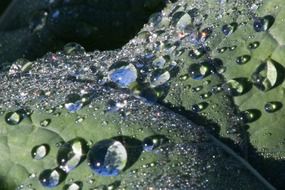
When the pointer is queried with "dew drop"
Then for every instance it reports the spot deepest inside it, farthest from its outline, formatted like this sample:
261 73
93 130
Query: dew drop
253 45
243 59
228 29
73 103
107 158
74 186
198 71
265 76
262 24
51 177
39 152
45 123
153 142
159 78
123 76
71 154
271 107
73 48
196 53
13 118
184 22
199 107
233 87
222 49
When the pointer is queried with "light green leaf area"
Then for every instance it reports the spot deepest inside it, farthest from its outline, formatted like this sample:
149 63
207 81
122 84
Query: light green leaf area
188 159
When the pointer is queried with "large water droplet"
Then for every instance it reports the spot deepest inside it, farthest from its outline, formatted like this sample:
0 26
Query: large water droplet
39 152
71 154
262 24
272 107
107 158
123 76
51 177
198 71
184 23
13 118
73 103
265 76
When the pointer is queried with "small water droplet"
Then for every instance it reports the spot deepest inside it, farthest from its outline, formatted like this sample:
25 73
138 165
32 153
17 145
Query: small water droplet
74 186
199 107
232 48
243 59
39 152
196 53
249 116
271 107
198 71
51 177
253 45
45 123
206 95
73 103
73 48
265 76
228 29
153 142
222 49
71 154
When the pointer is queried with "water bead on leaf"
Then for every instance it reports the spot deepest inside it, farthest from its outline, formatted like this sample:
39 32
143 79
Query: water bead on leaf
198 71
123 76
39 152
73 103
71 154
107 158
51 178
265 76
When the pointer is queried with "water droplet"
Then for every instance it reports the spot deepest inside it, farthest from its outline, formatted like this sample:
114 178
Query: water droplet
45 122
196 53
123 76
253 45
228 29
13 118
199 107
262 24
249 116
107 158
38 21
74 186
265 76
73 48
153 142
73 103
233 87
51 177
272 107
184 23
71 154
206 95
39 152
198 71
243 59
222 50
158 78
232 48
